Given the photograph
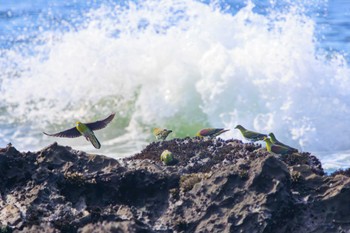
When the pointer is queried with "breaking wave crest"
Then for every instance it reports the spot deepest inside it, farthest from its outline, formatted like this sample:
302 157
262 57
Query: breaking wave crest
177 64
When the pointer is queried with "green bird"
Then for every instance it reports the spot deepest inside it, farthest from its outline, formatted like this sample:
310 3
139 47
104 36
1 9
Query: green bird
211 132
277 149
161 134
250 135
166 157
274 140
86 130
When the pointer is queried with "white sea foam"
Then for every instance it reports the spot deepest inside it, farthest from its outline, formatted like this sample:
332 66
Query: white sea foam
184 65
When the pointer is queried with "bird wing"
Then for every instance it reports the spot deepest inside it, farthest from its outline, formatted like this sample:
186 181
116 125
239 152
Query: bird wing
251 134
280 149
277 149
284 145
100 124
209 131
165 133
69 133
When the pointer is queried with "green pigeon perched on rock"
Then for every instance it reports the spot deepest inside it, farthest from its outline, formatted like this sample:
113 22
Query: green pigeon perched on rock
166 157
86 130
274 140
211 132
250 135
277 149
161 134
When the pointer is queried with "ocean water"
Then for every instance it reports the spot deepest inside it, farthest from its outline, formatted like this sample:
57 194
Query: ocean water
271 66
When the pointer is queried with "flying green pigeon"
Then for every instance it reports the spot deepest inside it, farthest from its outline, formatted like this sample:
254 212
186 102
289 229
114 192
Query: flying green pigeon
211 132
274 140
250 135
161 134
277 149
85 129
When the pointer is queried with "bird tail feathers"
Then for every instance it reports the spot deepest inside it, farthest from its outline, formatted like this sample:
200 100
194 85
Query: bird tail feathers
94 141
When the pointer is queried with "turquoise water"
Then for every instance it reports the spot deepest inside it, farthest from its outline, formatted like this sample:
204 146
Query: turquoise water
272 66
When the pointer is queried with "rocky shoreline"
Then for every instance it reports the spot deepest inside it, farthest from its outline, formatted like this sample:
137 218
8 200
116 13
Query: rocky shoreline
214 186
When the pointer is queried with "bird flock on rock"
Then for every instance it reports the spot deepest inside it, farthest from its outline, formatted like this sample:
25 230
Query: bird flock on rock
87 130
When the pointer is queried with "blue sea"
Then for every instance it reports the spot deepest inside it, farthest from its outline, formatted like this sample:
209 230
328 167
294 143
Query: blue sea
271 66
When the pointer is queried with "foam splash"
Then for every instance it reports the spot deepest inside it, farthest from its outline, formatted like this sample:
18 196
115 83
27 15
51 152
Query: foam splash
182 65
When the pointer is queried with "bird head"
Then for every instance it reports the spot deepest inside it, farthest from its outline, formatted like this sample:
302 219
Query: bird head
80 126
272 136
239 127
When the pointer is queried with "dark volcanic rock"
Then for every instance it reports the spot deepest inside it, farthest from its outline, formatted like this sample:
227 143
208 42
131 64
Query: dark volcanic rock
212 186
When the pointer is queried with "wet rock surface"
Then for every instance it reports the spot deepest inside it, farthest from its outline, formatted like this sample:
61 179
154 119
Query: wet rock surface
212 186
